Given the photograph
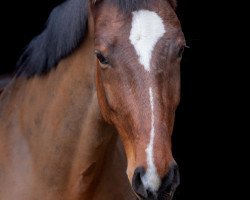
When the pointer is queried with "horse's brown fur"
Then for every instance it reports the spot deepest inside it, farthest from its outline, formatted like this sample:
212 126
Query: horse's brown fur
71 156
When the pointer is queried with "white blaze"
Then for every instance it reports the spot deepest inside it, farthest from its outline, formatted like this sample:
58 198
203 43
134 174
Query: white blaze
151 179
147 29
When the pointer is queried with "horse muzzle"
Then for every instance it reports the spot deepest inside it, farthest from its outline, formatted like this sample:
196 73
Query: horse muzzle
167 188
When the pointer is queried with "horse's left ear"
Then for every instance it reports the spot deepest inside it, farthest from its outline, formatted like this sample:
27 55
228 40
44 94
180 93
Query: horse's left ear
173 3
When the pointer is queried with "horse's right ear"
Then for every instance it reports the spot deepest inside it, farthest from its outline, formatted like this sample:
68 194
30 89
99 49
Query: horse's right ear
173 3
93 2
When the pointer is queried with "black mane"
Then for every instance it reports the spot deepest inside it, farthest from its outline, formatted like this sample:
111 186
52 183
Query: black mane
65 30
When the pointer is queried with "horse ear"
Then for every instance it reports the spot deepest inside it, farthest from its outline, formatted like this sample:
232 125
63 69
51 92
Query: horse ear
93 2
173 3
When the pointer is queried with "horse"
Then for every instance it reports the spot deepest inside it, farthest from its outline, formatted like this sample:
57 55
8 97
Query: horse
90 111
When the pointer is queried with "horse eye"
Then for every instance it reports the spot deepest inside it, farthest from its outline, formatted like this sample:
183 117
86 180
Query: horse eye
101 58
181 50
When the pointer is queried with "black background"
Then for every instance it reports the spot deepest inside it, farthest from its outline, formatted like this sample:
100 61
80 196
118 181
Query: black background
195 135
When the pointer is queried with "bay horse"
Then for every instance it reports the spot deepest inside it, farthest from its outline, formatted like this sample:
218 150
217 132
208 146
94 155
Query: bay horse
90 111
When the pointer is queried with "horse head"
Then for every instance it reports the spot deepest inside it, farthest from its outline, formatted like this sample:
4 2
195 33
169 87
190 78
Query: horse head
139 49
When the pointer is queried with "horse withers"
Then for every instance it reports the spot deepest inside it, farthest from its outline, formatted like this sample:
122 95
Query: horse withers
90 113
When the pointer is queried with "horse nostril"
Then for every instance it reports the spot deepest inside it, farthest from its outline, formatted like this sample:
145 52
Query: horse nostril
170 182
137 182
168 185
176 181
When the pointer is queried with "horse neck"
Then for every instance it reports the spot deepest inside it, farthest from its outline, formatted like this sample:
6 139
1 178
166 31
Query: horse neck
58 118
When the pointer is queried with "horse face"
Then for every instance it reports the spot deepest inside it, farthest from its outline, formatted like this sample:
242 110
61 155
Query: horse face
138 86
